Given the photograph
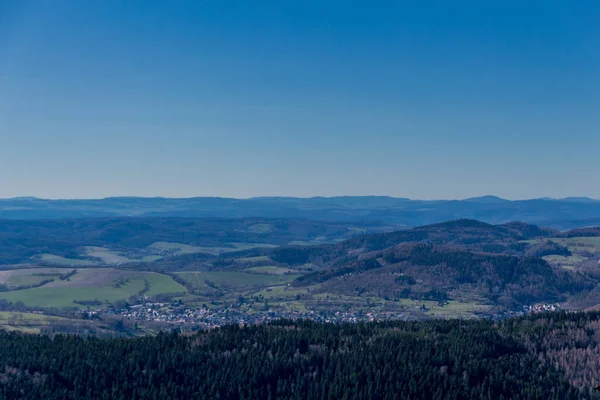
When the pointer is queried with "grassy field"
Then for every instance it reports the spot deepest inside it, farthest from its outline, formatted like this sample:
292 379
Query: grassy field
103 256
107 256
304 243
26 322
336 302
260 228
30 276
102 284
257 259
575 245
180 248
58 260
270 270
283 292
160 284
580 244
581 248
565 262
453 309
248 246
35 323
234 280
18 281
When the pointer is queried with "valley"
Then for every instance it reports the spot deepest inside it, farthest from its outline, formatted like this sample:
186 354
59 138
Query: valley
299 200
107 269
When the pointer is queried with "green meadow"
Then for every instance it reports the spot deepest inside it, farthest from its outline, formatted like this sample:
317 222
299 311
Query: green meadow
270 270
233 279
102 284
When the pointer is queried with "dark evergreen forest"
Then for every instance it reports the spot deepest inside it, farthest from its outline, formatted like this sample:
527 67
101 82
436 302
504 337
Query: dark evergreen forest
548 356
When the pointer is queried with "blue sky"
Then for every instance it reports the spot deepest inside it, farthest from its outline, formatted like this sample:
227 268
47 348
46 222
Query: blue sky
427 99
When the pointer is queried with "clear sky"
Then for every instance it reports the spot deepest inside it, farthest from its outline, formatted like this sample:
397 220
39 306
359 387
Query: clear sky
420 99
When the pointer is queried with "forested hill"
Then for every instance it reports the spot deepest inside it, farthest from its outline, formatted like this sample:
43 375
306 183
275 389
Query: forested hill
465 234
22 239
141 232
457 260
549 356
426 272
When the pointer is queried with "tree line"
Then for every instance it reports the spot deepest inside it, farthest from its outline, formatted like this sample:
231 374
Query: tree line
440 359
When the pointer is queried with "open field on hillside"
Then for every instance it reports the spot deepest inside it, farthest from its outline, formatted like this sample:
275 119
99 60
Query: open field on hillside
63 261
37 323
92 284
581 248
452 309
257 259
25 277
18 281
248 246
260 228
103 256
160 284
579 244
106 256
308 243
281 292
270 270
94 256
575 245
284 297
569 262
27 322
180 248
234 280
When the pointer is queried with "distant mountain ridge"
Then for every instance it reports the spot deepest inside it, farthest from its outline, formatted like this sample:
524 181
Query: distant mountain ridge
487 199
568 213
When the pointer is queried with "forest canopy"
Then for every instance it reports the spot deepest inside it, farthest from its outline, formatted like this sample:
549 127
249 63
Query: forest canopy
548 356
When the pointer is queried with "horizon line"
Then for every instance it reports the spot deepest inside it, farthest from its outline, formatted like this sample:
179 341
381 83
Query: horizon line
483 197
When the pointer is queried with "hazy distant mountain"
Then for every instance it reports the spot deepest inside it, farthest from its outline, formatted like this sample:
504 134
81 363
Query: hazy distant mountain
575 212
487 200
580 199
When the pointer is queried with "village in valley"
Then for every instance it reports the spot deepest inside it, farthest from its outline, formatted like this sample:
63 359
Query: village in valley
176 314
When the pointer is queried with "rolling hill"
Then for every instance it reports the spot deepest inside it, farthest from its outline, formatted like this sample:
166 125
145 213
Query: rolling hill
463 260
256 265
565 213
126 239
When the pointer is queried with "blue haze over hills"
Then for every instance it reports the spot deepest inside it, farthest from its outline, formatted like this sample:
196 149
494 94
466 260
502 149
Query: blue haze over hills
573 212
